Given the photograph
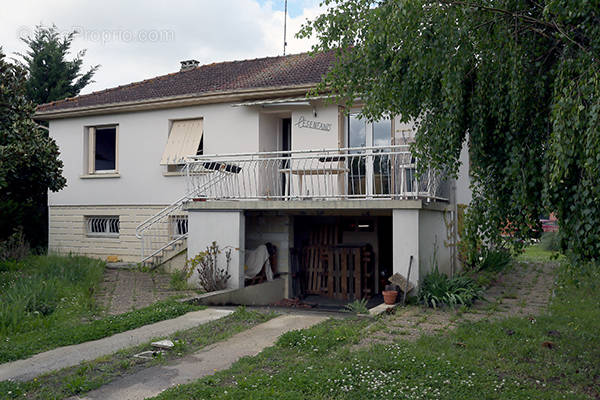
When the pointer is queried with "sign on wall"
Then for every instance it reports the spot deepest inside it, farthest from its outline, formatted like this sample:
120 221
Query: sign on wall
312 124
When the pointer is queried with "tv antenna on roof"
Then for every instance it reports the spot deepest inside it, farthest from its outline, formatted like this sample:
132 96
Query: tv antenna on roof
284 27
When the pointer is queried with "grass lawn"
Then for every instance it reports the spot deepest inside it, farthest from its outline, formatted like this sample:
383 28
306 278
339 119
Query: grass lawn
554 356
537 253
48 301
90 375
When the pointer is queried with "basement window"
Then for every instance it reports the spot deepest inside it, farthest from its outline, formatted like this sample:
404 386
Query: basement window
102 226
185 139
179 226
102 154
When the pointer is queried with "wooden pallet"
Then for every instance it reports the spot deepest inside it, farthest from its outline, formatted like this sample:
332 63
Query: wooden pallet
334 270
312 260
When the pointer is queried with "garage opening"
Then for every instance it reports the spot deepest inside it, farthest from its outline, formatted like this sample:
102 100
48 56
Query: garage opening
339 259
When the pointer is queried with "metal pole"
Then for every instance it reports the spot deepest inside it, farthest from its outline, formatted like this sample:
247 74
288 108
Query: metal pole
407 280
284 27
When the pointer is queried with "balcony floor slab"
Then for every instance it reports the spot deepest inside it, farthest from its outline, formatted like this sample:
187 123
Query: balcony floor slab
314 205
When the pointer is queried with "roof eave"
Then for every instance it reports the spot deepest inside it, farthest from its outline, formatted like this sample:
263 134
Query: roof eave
174 101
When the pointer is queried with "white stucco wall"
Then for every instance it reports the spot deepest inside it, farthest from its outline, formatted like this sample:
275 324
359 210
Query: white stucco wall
304 138
420 233
433 242
227 228
405 231
142 140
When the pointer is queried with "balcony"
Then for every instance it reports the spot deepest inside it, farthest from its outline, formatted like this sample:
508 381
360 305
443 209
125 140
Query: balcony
364 173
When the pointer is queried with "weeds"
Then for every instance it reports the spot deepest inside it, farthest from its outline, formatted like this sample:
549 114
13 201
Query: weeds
39 290
15 247
358 307
438 289
493 260
179 279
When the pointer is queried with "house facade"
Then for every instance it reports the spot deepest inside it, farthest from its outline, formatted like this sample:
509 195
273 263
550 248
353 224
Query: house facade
236 153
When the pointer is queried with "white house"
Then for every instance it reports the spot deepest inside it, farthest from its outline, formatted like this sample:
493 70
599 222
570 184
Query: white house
236 153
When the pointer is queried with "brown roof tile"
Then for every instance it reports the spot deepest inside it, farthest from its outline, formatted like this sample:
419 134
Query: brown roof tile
269 72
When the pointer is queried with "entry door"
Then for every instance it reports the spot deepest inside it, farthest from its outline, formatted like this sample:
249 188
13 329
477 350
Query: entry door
370 174
286 145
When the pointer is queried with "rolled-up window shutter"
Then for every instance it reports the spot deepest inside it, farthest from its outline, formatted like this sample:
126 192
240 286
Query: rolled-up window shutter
184 139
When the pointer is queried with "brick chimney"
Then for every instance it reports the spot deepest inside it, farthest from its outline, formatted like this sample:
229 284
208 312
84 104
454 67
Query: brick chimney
189 64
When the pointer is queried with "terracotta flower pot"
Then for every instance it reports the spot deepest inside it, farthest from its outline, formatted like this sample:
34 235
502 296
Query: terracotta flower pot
389 296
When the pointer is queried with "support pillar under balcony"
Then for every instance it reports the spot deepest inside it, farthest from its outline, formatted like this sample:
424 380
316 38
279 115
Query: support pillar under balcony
405 233
227 228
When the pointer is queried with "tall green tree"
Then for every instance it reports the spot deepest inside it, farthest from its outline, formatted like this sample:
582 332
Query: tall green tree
29 164
51 75
518 79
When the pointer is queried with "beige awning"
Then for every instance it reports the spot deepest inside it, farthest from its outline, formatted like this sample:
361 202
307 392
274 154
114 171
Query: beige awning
288 101
184 140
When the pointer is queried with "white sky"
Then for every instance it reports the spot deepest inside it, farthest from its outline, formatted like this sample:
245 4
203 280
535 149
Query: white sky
136 40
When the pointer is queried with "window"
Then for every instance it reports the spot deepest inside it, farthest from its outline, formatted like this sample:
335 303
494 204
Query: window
179 226
369 175
108 226
362 133
102 149
185 139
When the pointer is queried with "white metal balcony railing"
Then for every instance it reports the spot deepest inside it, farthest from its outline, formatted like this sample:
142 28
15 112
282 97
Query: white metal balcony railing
383 172
387 172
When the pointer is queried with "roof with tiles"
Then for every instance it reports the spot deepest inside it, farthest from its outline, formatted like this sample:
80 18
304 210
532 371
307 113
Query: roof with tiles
231 76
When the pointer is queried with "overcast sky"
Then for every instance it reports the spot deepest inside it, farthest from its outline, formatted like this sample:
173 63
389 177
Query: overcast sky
135 40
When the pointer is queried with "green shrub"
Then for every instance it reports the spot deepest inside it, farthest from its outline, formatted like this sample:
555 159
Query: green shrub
358 307
438 289
493 260
550 241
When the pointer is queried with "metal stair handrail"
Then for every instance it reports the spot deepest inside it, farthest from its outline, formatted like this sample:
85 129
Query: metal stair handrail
146 224
166 212
168 244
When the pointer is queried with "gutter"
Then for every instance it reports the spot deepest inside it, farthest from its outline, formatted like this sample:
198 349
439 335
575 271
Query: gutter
174 101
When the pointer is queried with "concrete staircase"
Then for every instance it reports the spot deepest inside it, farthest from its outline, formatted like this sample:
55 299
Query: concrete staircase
174 255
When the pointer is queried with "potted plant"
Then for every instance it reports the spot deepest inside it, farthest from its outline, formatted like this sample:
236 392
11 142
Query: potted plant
390 294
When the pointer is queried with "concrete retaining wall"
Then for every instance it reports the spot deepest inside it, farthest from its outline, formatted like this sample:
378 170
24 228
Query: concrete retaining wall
256 295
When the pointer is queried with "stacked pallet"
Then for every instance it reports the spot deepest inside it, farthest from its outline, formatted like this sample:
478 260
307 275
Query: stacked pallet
335 270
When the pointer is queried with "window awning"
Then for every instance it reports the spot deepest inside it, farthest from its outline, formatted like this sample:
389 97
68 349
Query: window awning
184 140
294 101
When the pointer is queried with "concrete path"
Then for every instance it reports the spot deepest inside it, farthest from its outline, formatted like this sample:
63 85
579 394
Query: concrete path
219 356
69 356
523 291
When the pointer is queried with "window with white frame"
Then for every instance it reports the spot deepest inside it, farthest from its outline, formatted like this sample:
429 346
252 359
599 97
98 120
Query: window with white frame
108 226
185 139
102 149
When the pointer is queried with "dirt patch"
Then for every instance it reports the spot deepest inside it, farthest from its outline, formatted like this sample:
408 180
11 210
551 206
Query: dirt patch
523 291
125 290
